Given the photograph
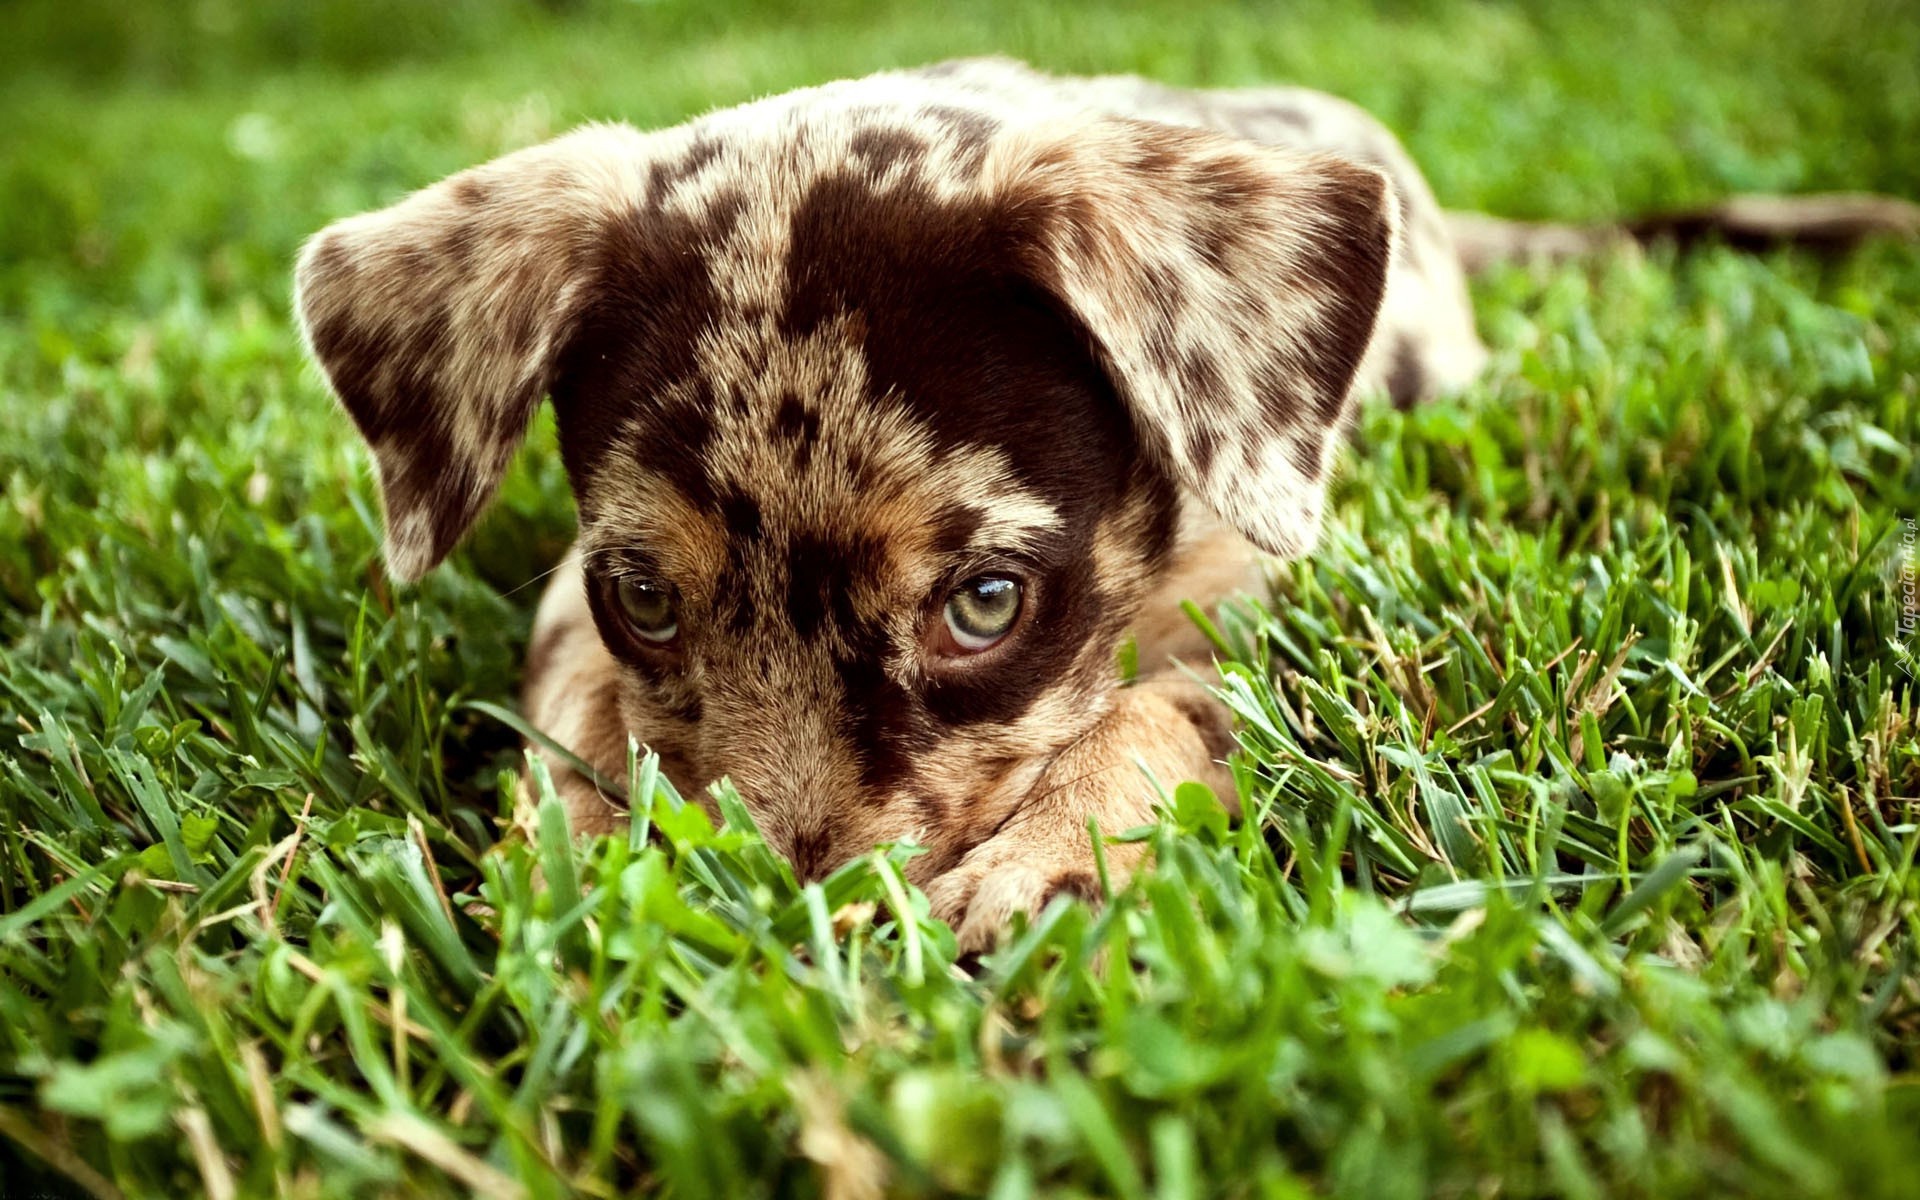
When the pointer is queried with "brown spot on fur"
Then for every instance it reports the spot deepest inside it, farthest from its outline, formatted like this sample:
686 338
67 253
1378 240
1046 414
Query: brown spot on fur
809 852
633 354
1204 445
879 148
1213 242
1352 279
1407 380
458 241
1154 158
331 259
1164 284
1305 450
1230 184
798 426
971 132
1279 392
1199 377
1083 886
471 191
664 177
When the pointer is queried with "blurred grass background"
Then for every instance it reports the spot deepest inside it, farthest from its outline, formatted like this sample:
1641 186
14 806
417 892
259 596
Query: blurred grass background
1582 771
218 132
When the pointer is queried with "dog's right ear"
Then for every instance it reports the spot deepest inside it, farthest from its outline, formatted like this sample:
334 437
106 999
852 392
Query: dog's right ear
438 321
1229 290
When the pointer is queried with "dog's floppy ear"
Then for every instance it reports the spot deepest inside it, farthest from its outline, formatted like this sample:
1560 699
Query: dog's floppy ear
438 320
1230 290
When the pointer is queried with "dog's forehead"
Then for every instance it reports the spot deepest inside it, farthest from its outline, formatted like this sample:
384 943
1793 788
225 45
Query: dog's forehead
780 438
814 307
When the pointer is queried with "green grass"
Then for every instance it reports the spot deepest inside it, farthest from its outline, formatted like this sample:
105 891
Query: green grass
1583 780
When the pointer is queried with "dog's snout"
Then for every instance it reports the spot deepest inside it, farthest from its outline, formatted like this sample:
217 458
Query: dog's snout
793 771
811 853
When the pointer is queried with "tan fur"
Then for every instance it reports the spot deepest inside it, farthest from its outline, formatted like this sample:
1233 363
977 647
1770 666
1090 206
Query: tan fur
822 361
807 504
1111 776
572 694
1143 744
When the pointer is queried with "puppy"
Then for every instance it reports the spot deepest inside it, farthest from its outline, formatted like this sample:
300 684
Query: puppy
891 409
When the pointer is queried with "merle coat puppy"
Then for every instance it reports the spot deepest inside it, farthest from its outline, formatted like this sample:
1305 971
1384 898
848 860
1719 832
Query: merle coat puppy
891 408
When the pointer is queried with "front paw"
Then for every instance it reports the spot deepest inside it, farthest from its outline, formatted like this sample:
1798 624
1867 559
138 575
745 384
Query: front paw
1168 730
1004 876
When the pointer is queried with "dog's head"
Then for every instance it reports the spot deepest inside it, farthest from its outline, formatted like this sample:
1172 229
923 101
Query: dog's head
878 403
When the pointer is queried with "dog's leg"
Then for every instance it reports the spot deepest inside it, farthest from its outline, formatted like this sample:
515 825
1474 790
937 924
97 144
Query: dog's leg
1211 562
1160 731
572 694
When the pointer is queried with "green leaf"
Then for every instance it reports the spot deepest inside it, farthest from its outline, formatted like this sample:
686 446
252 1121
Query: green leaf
1543 1061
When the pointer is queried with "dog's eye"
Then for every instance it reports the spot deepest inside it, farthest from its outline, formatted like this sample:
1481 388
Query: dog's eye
649 609
980 612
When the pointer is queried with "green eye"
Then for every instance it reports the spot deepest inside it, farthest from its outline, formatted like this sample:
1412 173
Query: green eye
981 611
649 609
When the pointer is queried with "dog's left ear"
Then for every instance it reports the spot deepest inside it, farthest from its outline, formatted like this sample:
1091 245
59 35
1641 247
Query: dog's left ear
1230 291
438 321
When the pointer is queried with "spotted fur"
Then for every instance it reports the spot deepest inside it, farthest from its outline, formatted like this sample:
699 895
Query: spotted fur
819 358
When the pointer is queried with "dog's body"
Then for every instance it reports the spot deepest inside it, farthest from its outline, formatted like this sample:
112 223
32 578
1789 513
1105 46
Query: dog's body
892 408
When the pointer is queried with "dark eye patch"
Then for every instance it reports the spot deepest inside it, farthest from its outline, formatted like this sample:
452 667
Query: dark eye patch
950 332
1060 619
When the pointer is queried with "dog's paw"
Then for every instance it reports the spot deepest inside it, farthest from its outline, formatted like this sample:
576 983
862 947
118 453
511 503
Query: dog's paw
1045 849
979 897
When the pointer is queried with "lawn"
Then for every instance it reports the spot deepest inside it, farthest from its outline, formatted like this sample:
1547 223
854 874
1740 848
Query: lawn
1581 767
